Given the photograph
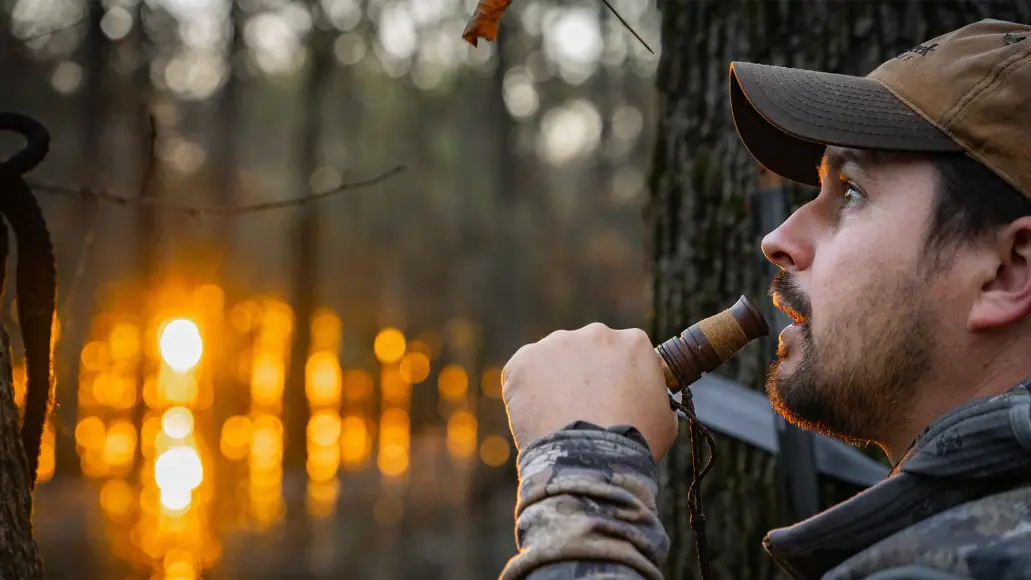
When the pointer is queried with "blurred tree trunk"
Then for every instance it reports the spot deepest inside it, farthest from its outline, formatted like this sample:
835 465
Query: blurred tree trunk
78 302
229 398
705 253
509 269
146 224
303 280
306 247
19 555
505 325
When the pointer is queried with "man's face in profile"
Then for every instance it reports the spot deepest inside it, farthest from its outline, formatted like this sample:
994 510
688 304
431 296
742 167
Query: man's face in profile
855 279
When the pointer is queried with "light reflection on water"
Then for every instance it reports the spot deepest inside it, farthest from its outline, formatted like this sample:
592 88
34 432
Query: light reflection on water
177 468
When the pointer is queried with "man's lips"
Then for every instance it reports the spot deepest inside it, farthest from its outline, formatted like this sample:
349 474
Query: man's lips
778 302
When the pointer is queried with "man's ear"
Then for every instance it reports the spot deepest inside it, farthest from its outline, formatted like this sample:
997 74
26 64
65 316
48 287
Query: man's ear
1005 295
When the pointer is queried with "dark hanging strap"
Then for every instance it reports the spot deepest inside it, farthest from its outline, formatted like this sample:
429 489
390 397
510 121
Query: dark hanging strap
698 432
36 277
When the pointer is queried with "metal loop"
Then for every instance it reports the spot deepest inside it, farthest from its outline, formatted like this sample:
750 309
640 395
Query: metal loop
36 148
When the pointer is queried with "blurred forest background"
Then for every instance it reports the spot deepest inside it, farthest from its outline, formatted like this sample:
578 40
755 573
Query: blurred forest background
313 390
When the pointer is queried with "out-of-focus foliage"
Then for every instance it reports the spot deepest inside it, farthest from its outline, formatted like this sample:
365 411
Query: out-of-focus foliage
519 214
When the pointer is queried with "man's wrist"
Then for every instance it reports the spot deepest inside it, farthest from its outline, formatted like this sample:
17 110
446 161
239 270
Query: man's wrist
621 444
588 494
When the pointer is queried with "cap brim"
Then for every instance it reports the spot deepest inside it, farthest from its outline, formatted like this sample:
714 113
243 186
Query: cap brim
787 117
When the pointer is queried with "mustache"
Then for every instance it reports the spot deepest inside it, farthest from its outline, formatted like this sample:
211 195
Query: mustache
789 297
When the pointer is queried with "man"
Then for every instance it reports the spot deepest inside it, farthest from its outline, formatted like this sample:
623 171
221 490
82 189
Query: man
909 280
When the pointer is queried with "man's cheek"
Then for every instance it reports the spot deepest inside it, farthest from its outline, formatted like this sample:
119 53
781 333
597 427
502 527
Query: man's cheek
842 280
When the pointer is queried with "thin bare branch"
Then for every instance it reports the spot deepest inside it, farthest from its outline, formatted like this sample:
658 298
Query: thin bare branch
48 31
108 197
627 25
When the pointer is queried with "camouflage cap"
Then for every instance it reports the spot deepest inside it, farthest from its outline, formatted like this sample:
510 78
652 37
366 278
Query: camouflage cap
967 90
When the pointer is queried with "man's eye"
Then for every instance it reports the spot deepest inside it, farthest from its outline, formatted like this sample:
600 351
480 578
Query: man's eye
851 193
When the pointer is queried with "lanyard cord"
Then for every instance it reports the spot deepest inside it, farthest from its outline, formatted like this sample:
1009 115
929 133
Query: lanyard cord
698 432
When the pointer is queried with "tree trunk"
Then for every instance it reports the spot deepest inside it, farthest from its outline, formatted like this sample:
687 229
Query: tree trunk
19 556
705 252
147 224
77 306
306 250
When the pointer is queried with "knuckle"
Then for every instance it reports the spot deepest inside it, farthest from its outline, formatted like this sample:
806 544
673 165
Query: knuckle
508 373
515 366
600 332
638 337
511 367
514 359
556 336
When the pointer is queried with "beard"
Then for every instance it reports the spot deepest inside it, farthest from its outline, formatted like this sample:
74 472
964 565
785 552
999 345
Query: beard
862 371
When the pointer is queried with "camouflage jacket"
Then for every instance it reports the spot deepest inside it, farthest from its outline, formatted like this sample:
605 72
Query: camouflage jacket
958 506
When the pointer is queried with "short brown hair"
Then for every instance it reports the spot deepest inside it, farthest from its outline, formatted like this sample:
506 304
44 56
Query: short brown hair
970 205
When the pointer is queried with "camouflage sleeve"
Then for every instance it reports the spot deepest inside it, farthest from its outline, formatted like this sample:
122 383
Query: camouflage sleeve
586 508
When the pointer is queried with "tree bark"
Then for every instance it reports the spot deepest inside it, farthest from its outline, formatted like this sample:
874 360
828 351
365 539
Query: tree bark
19 555
704 251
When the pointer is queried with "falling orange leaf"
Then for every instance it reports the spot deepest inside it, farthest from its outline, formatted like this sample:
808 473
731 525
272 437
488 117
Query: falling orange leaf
485 21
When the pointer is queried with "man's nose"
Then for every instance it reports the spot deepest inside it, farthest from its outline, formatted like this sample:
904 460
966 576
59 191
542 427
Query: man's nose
787 246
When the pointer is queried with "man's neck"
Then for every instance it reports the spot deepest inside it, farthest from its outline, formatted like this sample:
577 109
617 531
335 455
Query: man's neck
938 399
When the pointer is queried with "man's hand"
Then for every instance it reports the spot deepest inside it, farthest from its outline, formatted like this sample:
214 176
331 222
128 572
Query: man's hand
596 374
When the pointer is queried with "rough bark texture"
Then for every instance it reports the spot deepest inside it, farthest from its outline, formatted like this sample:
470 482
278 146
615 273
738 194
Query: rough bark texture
705 254
19 556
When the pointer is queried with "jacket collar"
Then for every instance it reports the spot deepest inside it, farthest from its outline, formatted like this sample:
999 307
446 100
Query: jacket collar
979 448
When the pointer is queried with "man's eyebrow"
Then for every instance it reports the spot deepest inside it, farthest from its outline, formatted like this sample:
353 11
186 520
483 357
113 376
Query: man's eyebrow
836 157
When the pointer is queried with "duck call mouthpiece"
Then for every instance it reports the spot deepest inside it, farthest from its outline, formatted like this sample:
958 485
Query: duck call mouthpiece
707 344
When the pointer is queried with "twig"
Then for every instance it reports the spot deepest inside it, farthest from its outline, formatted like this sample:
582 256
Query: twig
89 242
80 271
47 32
107 196
150 168
627 25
